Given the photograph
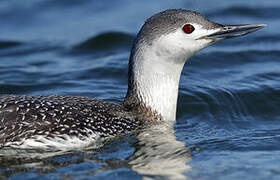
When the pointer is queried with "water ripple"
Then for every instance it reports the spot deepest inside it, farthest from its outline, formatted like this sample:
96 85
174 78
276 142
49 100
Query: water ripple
232 108
106 41
9 44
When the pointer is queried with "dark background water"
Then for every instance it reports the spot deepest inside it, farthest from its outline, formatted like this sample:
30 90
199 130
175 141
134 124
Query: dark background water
228 123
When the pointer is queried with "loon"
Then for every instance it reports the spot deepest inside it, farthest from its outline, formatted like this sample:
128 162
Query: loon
160 50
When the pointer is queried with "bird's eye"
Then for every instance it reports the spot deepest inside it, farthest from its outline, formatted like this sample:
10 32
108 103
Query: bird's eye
188 28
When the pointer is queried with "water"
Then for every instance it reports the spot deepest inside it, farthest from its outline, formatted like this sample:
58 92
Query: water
228 111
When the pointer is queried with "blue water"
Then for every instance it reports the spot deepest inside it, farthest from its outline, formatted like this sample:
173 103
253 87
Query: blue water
228 121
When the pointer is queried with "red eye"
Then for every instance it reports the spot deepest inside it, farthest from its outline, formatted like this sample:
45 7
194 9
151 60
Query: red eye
188 28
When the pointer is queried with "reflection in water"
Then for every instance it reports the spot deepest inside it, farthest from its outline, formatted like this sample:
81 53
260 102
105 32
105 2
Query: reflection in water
155 154
13 161
159 153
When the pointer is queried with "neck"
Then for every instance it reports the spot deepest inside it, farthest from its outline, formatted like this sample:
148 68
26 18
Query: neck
153 82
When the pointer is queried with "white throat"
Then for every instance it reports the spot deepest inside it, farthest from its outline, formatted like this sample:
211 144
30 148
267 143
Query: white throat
155 74
158 89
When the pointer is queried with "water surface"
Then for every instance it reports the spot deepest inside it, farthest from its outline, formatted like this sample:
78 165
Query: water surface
228 111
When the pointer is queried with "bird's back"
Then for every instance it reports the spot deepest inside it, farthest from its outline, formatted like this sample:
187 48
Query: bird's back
34 121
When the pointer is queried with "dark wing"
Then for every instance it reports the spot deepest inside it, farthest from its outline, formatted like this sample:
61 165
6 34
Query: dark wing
22 117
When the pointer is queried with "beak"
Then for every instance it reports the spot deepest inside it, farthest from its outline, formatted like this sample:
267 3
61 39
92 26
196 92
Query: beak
230 31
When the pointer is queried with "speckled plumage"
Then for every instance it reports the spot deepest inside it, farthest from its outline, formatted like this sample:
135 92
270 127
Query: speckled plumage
26 117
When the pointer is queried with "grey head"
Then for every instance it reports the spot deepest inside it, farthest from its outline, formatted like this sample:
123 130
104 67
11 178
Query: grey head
162 46
169 21
179 34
